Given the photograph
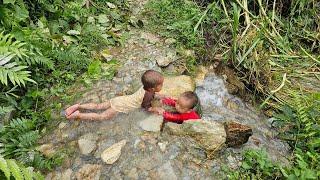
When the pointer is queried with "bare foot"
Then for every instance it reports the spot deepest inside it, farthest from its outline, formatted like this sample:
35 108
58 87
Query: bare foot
71 109
74 115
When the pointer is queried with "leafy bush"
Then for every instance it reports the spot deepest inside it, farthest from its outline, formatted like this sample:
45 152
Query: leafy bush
44 46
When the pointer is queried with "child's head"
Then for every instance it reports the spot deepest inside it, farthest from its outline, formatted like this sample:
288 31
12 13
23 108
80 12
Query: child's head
186 102
152 81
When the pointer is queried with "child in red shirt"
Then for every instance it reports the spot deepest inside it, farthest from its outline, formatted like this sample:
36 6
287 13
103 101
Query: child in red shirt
184 106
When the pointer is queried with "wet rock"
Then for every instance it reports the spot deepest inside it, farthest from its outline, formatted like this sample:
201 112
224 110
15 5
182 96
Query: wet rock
66 175
209 134
162 146
150 37
232 105
152 123
174 86
46 149
149 162
232 89
62 125
166 172
237 134
233 82
112 154
133 174
164 61
170 41
53 176
173 128
136 143
170 69
106 55
201 74
89 172
232 162
87 143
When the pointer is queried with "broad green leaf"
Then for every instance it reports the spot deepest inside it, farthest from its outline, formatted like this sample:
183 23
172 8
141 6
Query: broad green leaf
102 19
21 13
73 32
111 5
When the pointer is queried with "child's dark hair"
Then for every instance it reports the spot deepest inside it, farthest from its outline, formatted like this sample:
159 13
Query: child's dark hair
194 101
151 79
192 97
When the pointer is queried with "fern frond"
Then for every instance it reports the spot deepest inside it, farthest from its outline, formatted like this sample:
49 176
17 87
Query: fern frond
302 112
8 46
20 125
18 138
13 71
27 173
10 168
15 169
28 139
41 60
4 110
4 167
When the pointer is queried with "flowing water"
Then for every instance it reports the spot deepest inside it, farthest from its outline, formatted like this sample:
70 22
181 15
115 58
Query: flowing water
219 105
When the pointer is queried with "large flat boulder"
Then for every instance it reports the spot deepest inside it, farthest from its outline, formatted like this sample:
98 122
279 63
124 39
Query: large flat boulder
174 86
212 136
209 135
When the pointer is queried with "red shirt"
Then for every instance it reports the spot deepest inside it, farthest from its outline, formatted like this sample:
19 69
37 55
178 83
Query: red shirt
177 117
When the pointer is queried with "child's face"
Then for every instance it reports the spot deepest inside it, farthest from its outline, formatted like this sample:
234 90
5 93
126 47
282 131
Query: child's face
182 105
159 86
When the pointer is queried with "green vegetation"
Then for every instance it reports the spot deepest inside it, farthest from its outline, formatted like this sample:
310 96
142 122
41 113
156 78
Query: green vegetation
297 123
44 46
274 47
176 19
10 168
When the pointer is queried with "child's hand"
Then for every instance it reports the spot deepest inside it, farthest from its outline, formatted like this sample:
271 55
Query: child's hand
160 111
159 96
156 110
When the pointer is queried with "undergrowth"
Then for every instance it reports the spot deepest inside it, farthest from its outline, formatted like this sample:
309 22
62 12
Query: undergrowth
44 47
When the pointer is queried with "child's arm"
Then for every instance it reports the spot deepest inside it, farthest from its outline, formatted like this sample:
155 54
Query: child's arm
170 117
169 102
179 118
146 102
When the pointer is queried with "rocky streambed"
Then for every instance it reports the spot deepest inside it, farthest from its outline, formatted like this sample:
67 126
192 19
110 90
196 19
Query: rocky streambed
130 146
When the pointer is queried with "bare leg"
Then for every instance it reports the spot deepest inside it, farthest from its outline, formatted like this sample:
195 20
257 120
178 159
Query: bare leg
105 115
94 106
